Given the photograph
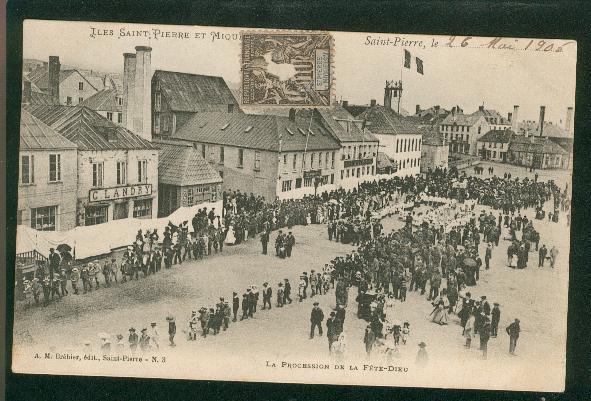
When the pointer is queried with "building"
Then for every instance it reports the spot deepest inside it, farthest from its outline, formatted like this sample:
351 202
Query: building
108 103
176 97
399 138
117 169
31 95
538 152
494 145
184 178
434 151
357 158
271 156
68 87
47 177
494 119
461 131
384 165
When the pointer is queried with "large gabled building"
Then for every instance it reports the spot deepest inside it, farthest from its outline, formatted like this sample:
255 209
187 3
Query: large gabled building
108 103
461 131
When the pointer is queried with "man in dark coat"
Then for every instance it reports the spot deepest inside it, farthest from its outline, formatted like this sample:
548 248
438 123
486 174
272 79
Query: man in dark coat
54 262
484 336
542 255
495 318
133 340
287 292
245 307
235 305
316 318
513 330
289 243
267 295
265 241
330 330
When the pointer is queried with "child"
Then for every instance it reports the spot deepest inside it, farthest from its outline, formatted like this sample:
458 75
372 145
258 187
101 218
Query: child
405 332
396 332
422 357
403 288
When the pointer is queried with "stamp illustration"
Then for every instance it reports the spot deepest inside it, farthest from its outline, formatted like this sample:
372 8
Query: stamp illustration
289 69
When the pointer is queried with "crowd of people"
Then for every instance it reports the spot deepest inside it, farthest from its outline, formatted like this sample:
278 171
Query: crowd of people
384 267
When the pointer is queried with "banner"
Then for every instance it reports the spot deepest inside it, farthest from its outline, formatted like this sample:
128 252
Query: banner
406 59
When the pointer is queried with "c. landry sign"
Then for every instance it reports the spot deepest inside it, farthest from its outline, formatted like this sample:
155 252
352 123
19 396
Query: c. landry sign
113 193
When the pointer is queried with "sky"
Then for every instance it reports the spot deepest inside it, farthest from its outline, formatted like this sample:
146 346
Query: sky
466 76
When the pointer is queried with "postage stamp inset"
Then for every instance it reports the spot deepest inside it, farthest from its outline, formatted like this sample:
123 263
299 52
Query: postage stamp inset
286 69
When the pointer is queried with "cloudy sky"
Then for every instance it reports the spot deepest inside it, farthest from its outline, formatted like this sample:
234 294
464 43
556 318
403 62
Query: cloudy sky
467 76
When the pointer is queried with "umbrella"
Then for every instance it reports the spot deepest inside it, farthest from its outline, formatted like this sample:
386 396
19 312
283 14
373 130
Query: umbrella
469 262
64 248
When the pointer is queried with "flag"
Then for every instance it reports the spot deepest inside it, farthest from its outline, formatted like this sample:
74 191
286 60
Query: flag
406 58
419 66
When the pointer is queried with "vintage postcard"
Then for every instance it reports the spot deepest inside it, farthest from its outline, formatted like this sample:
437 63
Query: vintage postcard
285 206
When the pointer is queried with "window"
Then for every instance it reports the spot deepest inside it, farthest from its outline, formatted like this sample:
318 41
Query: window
80 86
332 160
308 182
109 116
320 160
467 129
348 173
28 169
80 99
121 173
285 160
298 183
142 208
221 155
257 161
479 129
120 101
43 218
326 160
165 124
286 186
156 122
95 215
142 171
342 174
332 178
304 162
68 100
190 197
120 210
240 158
372 170
312 160
55 168
97 175
157 102
295 161
119 118
203 150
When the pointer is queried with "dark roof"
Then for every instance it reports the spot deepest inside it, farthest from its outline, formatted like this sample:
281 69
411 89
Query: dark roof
533 128
497 135
490 114
256 132
565 143
533 144
182 165
433 138
355 110
88 129
194 93
105 100
36 135
385 121
38 98
40 76
343 126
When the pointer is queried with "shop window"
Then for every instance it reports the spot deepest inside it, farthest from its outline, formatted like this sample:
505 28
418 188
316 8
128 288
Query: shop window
43 218
142 208
95 215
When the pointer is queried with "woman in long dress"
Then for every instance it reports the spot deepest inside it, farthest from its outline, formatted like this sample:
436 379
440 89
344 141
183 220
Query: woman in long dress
338 349
230 238
441 306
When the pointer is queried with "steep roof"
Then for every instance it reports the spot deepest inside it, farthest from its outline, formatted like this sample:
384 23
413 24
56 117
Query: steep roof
40 77
497 135
533 128
194 93
105 100
532 144
461 119
88 129
385 121
489 115
343 126
565 143
432 138
182 165
256 132
38 98
36 135
384 162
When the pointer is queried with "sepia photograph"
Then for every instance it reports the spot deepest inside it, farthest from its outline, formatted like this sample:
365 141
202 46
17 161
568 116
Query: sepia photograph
294 206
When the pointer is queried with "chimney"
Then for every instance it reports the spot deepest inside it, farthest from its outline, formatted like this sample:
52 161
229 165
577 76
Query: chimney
26 92
387 97
128 89
292 114
142 116
569 119
53 77
437 108
372 103
542 115
509 116
345 104
417 109
230 107
515 118
453 110
481 108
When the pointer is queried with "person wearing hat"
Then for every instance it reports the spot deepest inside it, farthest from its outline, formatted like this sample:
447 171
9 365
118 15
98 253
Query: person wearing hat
422 357
193 326
113 269
54 262
484 335
120 343
46 290
264 241
488 256
74 279
245 307
267 295
255 292
331 330
251 300
235 305
316 318
55 287
63 278
289 244
171 330
287 292
85 279
513 331
144 341
154 337
495 319
280 295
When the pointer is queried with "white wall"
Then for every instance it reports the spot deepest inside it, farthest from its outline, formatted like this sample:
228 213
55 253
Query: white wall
404 151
